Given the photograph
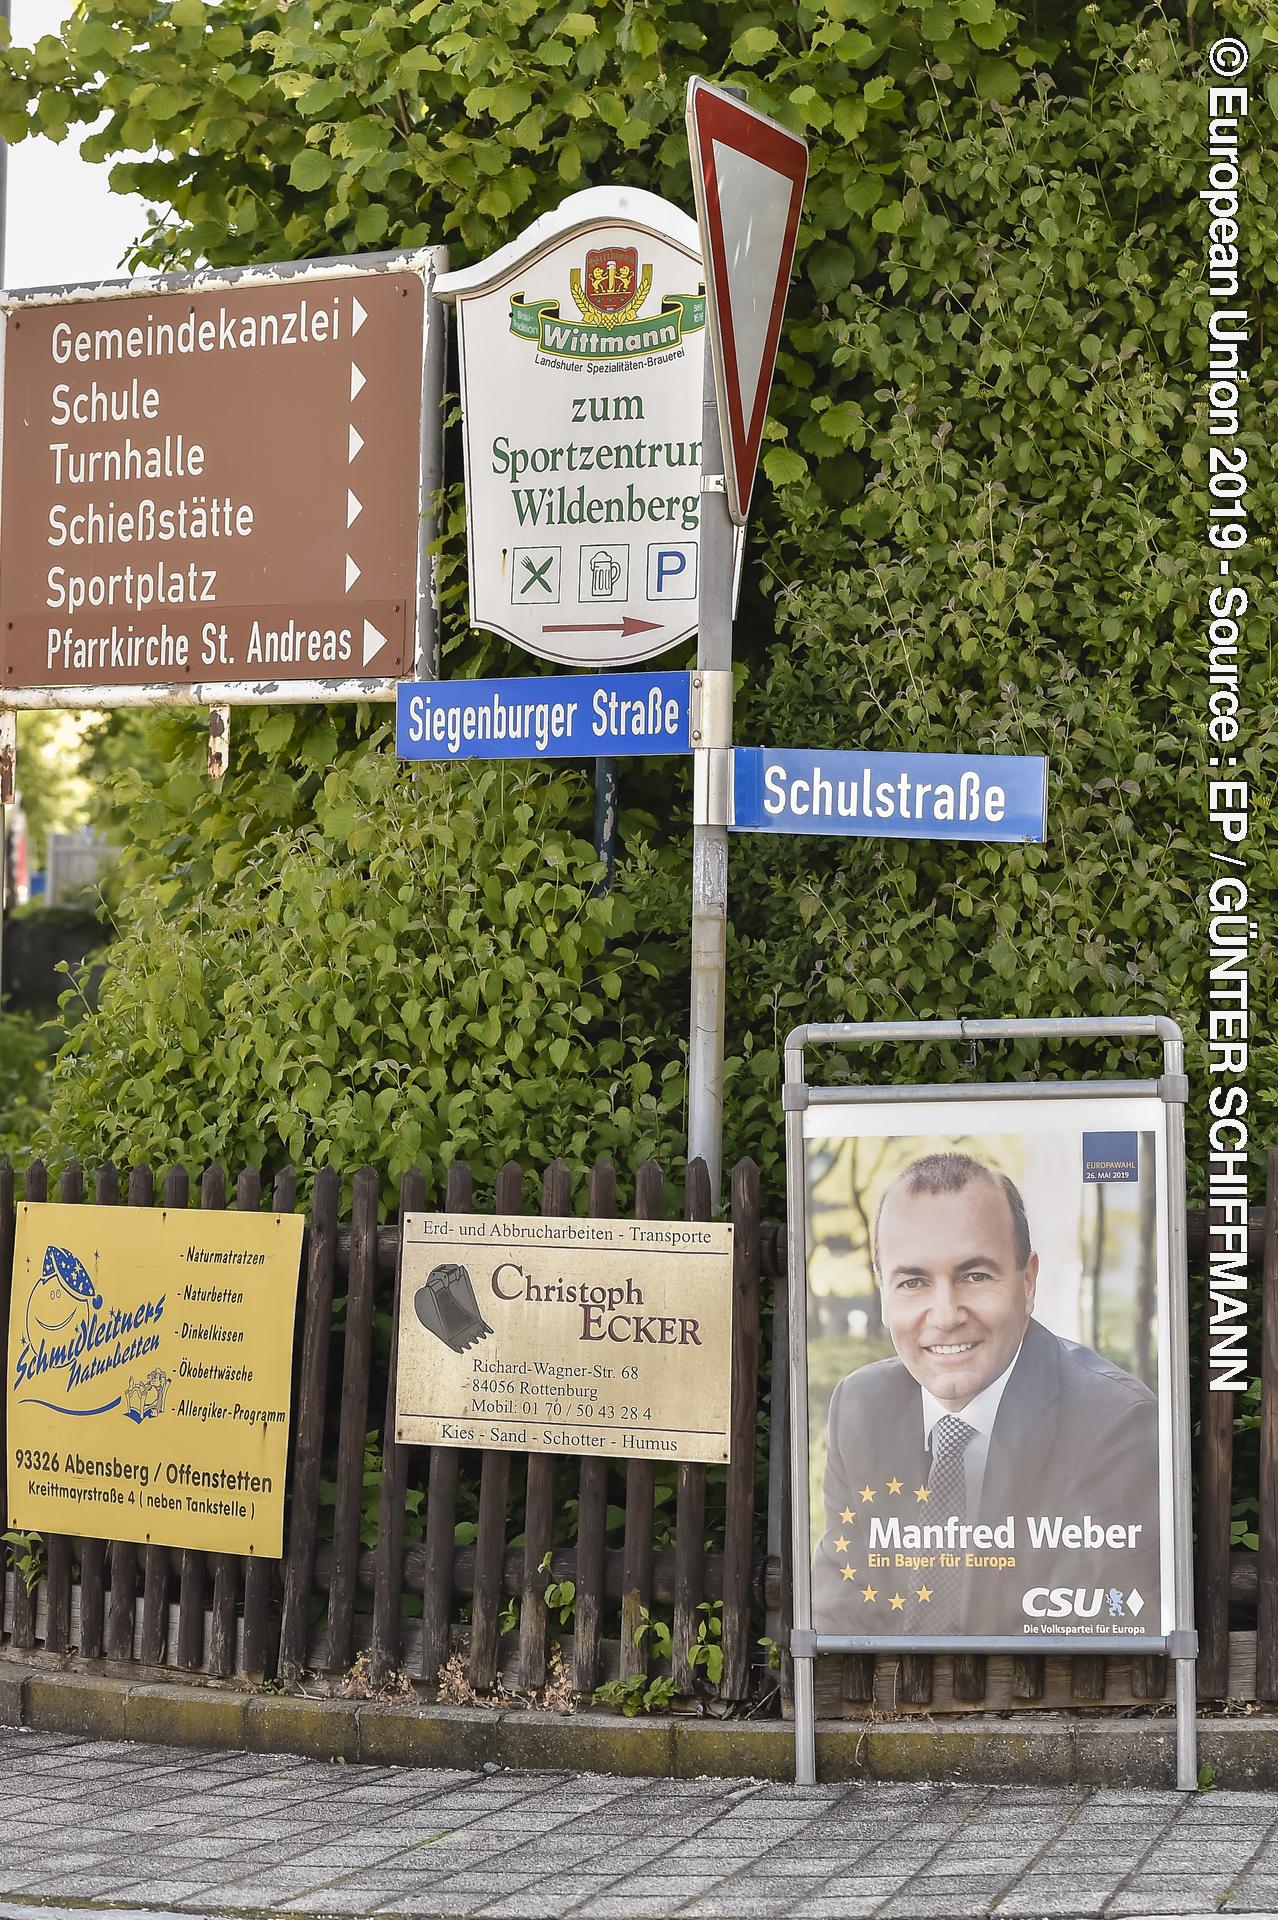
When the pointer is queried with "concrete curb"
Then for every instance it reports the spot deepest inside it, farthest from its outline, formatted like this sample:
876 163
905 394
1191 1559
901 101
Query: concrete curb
1041 1749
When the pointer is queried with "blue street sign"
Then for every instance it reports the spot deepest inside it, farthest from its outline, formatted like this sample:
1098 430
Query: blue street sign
565 717
904 796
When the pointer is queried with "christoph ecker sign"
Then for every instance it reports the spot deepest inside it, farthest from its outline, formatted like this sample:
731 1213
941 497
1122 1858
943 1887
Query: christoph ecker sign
214 485
566 1336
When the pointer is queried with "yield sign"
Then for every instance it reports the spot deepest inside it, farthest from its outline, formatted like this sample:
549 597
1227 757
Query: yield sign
748 174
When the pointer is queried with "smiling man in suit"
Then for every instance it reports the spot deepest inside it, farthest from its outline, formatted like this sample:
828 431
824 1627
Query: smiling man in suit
985 1430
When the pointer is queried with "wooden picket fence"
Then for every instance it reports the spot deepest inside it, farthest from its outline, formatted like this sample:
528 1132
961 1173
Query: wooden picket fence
478 1610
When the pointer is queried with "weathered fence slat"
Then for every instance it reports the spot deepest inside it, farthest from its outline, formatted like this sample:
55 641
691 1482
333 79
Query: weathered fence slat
353 1418
690 1497
106 1193
223 1614
299 1571
539 1506
193 1564
441 1500
738 1526
1215 1493
782 1415
157 1560
494 1483
258 1653
8 1227
636 1597
388 1579
35 1189
1267 1522
124 1554
59 1547
592 1506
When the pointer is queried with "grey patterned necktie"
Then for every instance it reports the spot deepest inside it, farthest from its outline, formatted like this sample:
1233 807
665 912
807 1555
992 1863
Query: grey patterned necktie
947 1482
946 1495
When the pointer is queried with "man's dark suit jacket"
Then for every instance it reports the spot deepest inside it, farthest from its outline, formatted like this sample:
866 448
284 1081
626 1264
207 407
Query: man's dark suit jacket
1074 1435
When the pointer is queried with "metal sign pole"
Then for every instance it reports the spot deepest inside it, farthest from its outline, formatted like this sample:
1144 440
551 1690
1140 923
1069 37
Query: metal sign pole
712 774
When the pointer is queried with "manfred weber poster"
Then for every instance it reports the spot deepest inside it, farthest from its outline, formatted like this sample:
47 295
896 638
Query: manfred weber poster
987 1315
150 1361
566 1336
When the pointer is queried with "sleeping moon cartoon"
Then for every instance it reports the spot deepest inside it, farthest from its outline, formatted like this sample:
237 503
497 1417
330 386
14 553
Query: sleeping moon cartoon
61 1293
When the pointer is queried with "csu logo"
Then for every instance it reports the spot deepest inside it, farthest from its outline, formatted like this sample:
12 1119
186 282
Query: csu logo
1079 1603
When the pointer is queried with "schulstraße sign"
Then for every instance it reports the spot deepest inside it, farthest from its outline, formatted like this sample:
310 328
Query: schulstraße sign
214 486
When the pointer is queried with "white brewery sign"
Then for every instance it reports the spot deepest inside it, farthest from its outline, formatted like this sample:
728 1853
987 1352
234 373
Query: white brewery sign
581 371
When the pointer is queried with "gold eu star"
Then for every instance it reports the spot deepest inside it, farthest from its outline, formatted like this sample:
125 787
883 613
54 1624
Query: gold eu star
920 1493
868 1593
898 1602
847 1516
924 1593
849 1573
841 1545
867 1494
894 1486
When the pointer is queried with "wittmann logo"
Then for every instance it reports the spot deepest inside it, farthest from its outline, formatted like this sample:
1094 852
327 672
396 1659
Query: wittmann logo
609 290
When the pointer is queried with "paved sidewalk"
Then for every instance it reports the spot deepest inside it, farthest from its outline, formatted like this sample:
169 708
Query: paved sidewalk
92 1824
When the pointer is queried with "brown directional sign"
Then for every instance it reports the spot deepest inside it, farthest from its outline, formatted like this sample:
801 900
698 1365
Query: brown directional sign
212 487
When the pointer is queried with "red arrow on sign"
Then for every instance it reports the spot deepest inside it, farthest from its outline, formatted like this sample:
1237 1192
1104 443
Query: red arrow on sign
748 174
625 627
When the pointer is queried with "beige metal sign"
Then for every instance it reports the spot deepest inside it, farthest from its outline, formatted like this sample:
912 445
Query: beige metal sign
214 486
566 1336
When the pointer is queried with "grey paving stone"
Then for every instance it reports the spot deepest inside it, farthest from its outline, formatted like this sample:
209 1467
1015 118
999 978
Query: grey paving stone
1165 1902
439 1903
1079 1900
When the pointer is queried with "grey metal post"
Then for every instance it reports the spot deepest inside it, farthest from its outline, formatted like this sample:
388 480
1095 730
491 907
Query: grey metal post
1182 1466
797 1280
710 842
605 819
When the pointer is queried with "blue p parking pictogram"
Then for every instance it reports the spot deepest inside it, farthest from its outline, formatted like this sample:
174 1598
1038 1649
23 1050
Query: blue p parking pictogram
672 570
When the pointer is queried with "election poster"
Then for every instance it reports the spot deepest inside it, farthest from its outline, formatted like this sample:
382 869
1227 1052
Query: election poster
605 1337
989 1405
149 1375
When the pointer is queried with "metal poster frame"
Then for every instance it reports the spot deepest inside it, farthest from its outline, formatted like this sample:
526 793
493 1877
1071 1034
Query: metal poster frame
1171 1088
427 262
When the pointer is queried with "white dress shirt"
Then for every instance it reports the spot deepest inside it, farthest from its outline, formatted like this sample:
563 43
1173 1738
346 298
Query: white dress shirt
979 1413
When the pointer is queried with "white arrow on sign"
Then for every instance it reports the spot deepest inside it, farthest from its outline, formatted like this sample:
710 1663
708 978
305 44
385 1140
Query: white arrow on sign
354 441
374 641
357 380
352 573
358 315
748 174
354 507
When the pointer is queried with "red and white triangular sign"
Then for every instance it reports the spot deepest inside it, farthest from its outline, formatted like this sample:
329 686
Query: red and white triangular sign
748 174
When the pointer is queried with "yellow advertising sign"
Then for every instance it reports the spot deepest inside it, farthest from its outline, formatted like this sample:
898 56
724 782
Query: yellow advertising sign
566 1336
150 1368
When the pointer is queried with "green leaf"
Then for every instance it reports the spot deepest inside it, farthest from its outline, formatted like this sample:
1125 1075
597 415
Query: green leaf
749 47
783 466
310 170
